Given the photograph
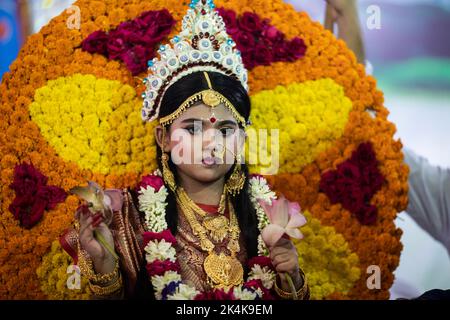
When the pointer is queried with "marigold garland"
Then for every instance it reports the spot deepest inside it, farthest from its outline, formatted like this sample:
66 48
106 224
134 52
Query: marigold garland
55 52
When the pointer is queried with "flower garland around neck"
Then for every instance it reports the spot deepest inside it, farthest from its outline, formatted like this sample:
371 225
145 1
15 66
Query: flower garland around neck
163 267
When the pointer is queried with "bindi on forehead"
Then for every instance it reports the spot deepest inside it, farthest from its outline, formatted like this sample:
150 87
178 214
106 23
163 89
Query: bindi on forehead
201 112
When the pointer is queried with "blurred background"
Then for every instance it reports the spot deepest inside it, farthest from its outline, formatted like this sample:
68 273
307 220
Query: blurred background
410 55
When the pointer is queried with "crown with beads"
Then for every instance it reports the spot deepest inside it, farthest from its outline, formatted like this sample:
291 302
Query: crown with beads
202 45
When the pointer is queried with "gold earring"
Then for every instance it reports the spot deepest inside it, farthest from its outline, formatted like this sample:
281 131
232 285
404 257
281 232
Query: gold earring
236 181
168 176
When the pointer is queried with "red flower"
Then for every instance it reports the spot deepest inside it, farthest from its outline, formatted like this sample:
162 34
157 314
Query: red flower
250 22
354 183
244 41
263 55
136 58
133 42
154 181
257 284
165 235
33 196
52 194
96 42
263 261
272 34
229 17
296 49
259 42
28 210
216 295
27 179
117 43
158 267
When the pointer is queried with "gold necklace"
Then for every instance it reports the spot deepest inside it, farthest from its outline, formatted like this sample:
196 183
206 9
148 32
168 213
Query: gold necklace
223 271
217 225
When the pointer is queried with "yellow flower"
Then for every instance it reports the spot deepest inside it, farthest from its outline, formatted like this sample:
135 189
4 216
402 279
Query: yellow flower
310 116
326 258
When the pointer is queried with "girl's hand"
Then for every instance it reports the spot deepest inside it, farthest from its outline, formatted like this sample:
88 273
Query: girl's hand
284 258
102 259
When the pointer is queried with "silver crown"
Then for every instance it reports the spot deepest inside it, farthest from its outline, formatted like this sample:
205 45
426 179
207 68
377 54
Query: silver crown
202 45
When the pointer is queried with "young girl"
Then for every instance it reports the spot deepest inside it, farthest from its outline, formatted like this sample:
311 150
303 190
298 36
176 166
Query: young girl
202 110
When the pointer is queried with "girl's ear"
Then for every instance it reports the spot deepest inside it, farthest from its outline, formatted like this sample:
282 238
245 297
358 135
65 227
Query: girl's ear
159 138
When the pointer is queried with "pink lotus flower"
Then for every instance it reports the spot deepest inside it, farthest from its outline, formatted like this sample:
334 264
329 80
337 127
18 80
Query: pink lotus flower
285 218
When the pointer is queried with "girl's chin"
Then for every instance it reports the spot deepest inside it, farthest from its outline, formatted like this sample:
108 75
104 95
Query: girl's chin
207 173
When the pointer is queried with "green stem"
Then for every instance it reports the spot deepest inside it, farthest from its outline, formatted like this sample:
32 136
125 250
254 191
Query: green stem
291 284
102 240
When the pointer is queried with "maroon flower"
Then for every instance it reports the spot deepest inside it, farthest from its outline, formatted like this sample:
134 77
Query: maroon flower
158 267
244 41
33 196
296 49
230 19
367 214
250 22
259 42
216 295
272 34
117 43
151 180
354 183
27 179
28 210
96 42
257 284
136 59
133 42
165 235
52 194
263 55
281 52
263 261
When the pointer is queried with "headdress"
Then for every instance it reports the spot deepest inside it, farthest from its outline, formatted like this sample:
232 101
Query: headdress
202 45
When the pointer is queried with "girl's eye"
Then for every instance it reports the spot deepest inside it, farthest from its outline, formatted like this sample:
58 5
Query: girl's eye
227 131
194 129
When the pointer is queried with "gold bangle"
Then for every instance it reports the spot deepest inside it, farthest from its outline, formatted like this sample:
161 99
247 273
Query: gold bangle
106 290
302 293
87 269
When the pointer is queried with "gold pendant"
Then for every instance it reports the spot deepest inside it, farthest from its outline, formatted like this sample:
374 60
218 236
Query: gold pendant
224 271
210 98
217 227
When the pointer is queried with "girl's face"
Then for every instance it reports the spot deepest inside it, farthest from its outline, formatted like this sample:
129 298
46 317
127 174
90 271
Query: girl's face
202 149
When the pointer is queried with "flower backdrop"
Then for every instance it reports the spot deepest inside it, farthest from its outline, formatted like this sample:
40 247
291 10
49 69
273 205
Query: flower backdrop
71 111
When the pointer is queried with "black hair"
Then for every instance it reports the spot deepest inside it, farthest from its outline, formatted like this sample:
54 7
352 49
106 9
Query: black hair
233 90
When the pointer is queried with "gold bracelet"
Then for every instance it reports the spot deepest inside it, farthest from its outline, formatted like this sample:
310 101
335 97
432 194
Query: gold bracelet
102 291
87 269
302 293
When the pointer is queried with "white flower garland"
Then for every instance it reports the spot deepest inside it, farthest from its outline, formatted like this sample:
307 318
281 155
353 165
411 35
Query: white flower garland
153 204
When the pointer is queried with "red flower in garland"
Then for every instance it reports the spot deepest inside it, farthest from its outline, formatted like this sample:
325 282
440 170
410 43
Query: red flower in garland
261 261
257 284
165 235
154 181
33 196
216 295
133 42
354 183
158 267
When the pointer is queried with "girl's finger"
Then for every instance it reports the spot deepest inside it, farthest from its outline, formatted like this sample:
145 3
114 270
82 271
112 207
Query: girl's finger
96 221
281 258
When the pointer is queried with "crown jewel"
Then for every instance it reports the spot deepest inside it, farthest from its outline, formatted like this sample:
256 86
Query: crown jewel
202 45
